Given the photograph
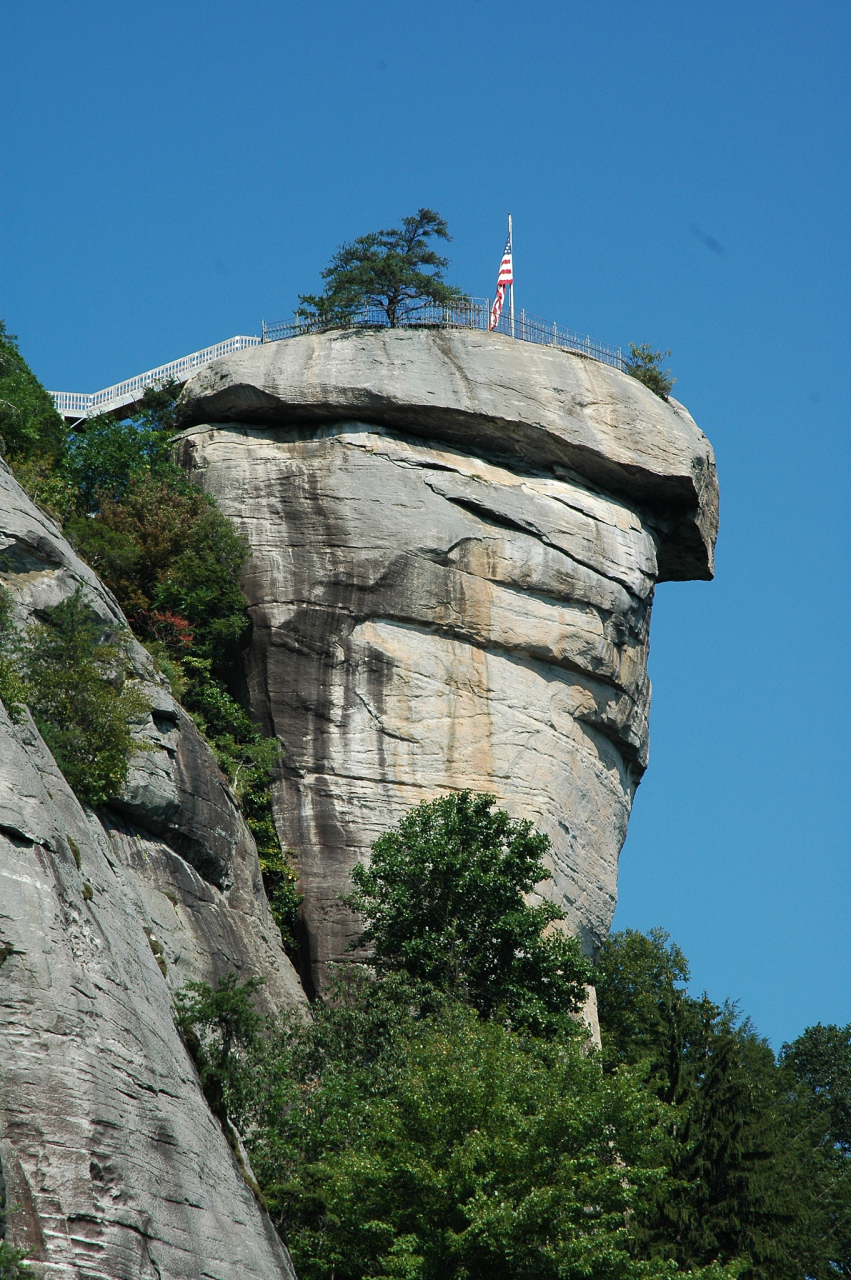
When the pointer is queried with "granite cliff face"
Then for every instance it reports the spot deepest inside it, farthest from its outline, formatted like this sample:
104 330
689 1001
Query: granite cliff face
113 1165
455 540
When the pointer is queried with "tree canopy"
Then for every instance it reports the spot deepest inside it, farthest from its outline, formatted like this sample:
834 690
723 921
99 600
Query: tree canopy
396 270
29 423
756 1149
443 899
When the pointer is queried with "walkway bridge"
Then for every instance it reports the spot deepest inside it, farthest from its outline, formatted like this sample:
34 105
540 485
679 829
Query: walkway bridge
75 405
474 313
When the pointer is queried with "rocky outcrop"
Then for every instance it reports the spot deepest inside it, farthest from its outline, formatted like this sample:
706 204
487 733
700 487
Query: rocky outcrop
455 540
109 1154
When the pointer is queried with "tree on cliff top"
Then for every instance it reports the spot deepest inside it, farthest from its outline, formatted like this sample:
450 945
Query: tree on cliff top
645 365
394 269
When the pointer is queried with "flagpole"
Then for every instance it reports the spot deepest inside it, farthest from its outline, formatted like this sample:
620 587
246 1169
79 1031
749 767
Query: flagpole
511 286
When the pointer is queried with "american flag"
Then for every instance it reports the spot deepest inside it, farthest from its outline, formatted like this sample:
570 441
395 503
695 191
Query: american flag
505 277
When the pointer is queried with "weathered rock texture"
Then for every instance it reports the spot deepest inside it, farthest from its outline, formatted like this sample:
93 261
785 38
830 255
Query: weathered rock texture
455 540
107 1147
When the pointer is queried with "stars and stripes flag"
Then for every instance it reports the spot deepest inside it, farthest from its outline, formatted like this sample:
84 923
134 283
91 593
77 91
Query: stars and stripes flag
505 277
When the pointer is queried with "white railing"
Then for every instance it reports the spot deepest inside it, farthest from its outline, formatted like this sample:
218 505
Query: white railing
82 404
474 313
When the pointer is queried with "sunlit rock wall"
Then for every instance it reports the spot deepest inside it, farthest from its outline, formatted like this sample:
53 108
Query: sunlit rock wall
455 540
111 1162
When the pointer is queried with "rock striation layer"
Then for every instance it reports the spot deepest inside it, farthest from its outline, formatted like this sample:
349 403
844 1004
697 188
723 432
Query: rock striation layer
455 540
109 1155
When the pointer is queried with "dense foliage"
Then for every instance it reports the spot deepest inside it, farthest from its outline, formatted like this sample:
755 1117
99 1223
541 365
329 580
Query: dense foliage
80 699
395 270
30 427
423 1125
173 561
392 1142
72 672
759 1152
436 1118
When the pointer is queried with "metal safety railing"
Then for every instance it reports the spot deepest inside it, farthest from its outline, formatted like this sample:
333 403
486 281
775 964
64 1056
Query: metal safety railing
82 404
472 314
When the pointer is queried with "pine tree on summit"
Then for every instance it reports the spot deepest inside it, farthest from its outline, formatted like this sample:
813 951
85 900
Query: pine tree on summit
395 270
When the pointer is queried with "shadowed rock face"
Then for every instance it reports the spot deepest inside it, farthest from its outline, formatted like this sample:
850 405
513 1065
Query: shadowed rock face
454 545
113 1165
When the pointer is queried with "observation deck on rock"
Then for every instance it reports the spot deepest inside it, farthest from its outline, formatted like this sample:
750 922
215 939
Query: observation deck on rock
75 406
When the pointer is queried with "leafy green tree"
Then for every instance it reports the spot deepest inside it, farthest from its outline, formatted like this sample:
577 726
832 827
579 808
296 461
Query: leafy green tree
645 365
395 270
77 691
29 424
103 458
821 1061
443 901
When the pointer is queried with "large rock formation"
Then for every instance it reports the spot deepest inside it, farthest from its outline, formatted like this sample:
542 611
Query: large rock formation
112 1165
455 540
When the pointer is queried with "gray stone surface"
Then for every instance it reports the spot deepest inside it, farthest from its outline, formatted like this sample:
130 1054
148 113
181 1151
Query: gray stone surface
535 405
450 582
107 1147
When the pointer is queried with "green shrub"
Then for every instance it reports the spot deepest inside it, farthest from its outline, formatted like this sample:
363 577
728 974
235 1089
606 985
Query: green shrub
13 1263
645 365
13 693
29 423
165 547
76 687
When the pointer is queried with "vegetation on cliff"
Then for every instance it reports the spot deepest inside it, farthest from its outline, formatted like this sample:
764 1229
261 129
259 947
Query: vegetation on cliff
645 365
72 675
174 562
442 901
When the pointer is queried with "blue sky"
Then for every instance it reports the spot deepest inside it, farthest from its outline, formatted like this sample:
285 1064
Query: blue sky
678 174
